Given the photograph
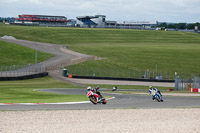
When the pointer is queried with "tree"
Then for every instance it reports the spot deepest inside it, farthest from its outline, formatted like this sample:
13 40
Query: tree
197 24
190 26
163 25
172 26
181 26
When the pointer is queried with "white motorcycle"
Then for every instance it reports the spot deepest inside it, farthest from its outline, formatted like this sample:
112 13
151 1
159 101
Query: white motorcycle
93 98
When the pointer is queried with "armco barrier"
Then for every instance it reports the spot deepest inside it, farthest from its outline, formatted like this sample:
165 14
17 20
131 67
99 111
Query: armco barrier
24 77
194 89
125 79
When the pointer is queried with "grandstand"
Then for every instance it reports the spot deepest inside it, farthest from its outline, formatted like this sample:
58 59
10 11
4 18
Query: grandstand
91 21
41 20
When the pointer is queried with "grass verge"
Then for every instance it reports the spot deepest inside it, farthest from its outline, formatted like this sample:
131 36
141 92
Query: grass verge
23 91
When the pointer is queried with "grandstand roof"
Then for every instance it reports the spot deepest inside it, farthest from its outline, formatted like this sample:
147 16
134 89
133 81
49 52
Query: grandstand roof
90 17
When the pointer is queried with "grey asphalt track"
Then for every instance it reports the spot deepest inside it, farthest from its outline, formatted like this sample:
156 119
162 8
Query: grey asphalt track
60 52
121 101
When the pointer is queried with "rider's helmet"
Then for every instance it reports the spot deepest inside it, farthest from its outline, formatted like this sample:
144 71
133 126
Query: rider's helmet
97 87
150 87
89 88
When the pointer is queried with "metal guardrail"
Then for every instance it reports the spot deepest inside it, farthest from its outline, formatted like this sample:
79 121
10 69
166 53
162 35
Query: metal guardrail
21 70
31 69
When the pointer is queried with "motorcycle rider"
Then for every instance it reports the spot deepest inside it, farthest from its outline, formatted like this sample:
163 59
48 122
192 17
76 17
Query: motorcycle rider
114 88
95 91
153 91
89 88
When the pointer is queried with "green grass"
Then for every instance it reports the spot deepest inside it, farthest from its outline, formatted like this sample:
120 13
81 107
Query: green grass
130 50
180 57
96 36
23 91
176 57
13 54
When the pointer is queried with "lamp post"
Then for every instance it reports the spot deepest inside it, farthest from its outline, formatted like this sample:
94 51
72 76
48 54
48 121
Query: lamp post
36 56
156 67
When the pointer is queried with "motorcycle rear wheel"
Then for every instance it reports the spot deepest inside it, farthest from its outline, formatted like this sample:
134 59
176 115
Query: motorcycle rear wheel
104 101
158 98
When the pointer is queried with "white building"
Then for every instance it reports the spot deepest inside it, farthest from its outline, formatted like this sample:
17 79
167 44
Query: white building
99 21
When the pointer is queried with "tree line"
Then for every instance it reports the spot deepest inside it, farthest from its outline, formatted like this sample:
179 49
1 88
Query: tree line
189 26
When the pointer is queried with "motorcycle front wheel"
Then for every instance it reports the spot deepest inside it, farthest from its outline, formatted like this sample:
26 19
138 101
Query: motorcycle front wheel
93 99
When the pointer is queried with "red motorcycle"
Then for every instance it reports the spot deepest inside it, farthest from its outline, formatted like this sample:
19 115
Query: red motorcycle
93 98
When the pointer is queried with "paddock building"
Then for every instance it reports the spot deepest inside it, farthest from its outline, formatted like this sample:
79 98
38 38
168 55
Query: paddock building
99 21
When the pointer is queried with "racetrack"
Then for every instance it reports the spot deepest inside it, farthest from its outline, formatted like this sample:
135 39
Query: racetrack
120 101
122 114
60 52
63 55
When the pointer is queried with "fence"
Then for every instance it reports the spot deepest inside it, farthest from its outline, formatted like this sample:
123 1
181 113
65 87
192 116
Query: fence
21 70
123 73
185 84
196 82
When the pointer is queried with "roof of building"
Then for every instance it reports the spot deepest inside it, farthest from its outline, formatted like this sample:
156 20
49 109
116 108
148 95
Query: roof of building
90 17
31 15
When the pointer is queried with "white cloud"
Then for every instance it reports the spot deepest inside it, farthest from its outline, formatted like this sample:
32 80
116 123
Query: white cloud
161 10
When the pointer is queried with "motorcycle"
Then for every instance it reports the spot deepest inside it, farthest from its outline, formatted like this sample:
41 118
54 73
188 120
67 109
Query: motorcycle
93 98
158 97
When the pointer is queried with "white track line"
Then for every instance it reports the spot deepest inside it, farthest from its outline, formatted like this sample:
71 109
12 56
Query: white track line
65 103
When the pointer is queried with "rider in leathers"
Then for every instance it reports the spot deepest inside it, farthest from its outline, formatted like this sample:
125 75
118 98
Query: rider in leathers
96 89
151 89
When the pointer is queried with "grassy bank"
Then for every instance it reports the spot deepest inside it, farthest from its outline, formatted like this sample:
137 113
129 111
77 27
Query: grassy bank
60 35
23 91
132 50
13 54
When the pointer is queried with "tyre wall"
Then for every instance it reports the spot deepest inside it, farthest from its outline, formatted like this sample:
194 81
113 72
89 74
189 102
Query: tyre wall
24 77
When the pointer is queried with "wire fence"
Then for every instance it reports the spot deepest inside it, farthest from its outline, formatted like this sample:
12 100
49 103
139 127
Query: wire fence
21 70
124 73
30 69
186 84
196 82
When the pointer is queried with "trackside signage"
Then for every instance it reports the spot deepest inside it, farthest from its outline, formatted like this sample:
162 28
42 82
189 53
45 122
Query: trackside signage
195 90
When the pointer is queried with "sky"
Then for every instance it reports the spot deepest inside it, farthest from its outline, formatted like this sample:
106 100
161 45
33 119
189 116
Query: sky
118 10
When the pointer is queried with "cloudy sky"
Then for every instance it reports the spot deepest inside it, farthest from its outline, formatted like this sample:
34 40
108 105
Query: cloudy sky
120 10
